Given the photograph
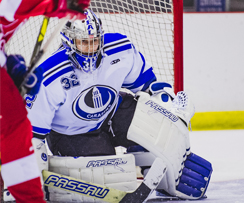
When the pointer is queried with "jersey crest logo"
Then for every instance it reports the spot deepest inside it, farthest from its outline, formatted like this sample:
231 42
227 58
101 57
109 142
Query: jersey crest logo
94 102
115 61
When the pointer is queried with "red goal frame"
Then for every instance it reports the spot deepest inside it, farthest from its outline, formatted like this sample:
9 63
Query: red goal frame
178 46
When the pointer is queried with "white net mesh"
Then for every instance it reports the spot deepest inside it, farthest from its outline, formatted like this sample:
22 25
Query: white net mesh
147 23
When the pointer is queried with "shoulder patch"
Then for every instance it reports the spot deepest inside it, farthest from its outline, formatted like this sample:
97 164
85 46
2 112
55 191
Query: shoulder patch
55 66
56 58
111 37
56 71
115 42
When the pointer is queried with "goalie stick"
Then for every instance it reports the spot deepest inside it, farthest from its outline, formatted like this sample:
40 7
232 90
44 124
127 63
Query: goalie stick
38 52
101 192
40 39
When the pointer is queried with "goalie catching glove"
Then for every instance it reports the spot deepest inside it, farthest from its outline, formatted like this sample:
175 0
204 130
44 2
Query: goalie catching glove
156 126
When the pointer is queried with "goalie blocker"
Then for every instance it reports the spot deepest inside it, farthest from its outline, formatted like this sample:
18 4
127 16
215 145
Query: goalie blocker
166 135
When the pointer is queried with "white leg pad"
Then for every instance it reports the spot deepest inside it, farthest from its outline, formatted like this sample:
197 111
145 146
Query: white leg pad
116 171
163 134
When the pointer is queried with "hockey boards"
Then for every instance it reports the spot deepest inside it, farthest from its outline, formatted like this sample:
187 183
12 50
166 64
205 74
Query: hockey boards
101 192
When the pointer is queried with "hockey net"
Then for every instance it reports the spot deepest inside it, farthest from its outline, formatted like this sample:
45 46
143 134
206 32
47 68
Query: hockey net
153 26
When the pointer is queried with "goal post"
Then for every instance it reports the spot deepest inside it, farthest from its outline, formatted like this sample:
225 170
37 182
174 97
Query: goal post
155 27
178 46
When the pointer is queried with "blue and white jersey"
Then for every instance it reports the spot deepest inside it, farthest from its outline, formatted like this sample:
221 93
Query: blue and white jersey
71 101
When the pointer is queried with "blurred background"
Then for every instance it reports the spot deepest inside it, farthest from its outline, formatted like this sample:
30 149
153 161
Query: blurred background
213 5
214 62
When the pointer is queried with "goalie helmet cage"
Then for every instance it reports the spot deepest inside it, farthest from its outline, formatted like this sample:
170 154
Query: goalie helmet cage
155 27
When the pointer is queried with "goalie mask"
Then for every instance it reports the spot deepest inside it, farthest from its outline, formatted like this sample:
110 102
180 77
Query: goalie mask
83 40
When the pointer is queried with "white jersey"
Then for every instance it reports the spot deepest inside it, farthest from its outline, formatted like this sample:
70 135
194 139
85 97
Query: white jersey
72 102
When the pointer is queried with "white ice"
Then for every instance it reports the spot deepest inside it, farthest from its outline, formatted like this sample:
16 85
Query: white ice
225 150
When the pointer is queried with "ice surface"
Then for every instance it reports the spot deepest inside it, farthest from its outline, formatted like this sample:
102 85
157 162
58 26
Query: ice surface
225 150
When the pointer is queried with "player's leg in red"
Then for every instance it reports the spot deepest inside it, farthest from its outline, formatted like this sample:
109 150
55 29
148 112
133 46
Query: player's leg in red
19 168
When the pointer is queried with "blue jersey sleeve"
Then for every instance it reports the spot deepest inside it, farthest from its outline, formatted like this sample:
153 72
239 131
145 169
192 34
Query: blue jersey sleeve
41 107
141 74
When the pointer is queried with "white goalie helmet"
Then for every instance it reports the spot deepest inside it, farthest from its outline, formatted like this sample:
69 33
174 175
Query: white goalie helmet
83 40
